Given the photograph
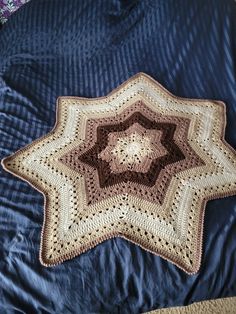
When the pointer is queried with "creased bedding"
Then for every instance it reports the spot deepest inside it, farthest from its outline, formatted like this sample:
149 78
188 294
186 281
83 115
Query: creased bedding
87 48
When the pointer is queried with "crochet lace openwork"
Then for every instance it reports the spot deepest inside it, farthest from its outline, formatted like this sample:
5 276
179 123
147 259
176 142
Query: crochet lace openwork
139 163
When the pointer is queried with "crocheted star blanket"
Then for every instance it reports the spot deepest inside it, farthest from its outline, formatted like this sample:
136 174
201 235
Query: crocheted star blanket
139 163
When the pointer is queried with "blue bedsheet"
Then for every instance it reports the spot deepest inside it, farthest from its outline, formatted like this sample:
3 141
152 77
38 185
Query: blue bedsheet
87 48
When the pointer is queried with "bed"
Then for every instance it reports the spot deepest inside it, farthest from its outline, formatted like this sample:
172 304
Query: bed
52 48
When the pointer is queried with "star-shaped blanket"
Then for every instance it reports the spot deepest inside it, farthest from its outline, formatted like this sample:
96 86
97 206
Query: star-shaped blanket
139 163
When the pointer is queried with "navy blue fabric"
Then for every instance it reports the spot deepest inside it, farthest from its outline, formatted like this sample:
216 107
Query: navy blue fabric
87 48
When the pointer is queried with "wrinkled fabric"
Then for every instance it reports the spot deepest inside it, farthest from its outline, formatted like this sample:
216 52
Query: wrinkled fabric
87 48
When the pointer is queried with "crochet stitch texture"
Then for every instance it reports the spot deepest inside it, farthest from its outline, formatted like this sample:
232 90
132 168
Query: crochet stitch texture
139 163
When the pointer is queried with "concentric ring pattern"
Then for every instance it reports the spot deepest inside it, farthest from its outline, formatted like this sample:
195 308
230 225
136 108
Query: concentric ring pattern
139 163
